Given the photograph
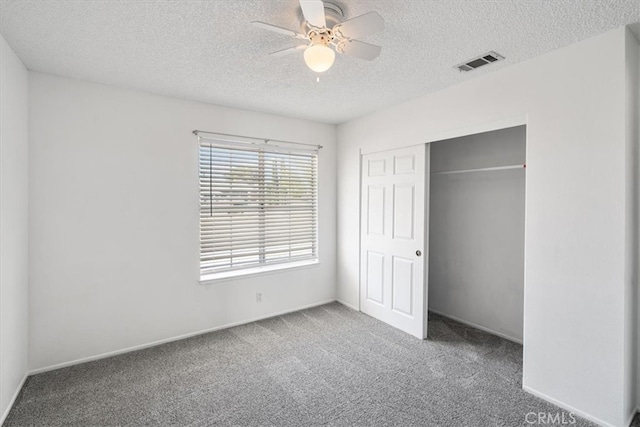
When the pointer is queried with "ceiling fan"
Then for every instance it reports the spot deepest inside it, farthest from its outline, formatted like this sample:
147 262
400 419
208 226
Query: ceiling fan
323 27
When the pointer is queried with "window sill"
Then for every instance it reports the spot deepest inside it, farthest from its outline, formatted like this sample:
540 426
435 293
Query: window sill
249 272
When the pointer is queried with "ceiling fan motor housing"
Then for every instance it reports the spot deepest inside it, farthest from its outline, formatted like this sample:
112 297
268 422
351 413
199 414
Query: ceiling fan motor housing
324 37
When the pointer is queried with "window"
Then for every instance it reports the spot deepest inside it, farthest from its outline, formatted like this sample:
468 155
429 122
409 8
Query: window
258 206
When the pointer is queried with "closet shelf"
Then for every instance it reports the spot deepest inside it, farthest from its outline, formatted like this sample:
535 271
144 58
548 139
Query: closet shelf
497 168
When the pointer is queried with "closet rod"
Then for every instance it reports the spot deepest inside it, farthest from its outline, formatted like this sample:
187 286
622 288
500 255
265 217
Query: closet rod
497 168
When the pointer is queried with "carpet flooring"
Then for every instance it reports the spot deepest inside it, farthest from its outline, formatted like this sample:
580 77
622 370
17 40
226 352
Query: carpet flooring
327 365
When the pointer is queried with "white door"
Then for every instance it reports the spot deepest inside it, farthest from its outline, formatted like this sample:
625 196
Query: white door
393 255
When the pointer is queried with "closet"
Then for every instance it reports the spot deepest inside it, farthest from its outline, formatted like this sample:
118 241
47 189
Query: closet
476 230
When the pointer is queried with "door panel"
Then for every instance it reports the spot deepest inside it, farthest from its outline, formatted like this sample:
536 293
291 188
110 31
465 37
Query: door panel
404 164
375 210
402 283
403 211
392 272
377 167
375 274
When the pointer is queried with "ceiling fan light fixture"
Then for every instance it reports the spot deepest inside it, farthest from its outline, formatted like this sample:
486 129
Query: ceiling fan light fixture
319 57
324 27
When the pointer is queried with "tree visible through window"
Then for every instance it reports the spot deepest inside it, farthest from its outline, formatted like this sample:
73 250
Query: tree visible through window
258 206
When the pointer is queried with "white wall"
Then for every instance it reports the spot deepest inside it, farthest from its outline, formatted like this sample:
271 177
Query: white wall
631 276
574 335
476 231
114 224
637 356
13 225
632 309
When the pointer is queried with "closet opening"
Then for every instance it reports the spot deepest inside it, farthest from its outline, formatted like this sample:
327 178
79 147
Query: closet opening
476 227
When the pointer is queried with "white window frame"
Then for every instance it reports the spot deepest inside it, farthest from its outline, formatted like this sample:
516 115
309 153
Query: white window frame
307 256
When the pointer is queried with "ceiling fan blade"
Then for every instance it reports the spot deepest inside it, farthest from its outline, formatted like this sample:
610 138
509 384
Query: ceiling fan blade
277 29
288 50
359 49
360 26
313 11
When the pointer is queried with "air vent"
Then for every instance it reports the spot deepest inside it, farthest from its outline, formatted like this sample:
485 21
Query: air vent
480 61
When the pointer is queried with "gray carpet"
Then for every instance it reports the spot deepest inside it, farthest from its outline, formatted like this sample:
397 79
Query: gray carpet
328 365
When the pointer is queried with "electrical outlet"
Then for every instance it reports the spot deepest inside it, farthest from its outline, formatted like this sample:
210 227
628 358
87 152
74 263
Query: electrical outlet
258 296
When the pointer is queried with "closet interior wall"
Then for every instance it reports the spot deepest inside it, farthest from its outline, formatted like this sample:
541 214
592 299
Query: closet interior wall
476 230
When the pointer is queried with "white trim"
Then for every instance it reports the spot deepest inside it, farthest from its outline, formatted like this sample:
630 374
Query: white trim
176 338
567 407
258 270
346 304
482 328
360 170
527 130
426 240
13 399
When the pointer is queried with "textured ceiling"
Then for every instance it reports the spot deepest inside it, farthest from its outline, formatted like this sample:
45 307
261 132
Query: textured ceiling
208 51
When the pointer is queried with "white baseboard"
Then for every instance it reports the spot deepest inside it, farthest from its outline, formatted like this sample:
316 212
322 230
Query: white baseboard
346 304
567 407
13 399
473 325
168 340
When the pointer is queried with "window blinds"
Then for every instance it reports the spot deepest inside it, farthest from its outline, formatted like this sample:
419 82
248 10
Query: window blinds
258 205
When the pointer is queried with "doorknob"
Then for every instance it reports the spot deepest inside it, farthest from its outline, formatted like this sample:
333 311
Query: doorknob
418 253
